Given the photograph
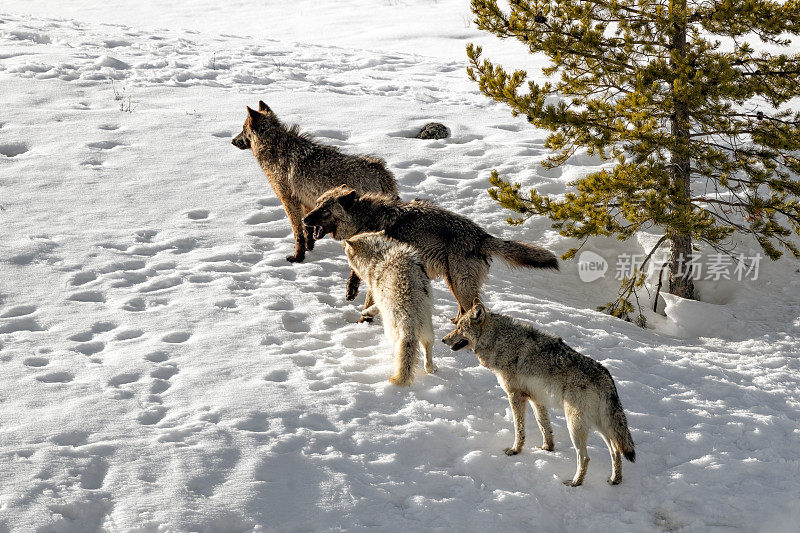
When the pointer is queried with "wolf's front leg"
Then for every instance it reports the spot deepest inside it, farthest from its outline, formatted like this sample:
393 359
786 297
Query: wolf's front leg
308 232
353 282
430 366
369 313
295 213
369 303
543 419
518 404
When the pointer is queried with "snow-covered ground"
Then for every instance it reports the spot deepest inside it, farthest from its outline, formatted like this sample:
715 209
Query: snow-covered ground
165 369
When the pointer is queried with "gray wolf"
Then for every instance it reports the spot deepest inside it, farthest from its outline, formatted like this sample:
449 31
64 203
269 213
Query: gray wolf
538 367
402 292
452 246
301 169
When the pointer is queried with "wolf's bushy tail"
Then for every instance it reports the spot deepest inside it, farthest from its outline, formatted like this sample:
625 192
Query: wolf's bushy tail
522 254
620 433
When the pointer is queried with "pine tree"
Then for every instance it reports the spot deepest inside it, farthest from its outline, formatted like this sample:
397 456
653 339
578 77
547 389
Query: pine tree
696 122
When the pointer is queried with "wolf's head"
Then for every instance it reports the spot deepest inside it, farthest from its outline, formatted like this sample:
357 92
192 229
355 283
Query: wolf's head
332 214
469 328
363 249
255 125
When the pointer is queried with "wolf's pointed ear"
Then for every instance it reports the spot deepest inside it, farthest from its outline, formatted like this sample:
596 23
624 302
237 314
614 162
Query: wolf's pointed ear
264 108
348 199
351 244
254 115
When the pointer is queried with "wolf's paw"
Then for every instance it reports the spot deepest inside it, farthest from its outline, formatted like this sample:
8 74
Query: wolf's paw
366 318
511 451
399 381
611 481
309 243
351 293
547 447
431 368
296 258
570 483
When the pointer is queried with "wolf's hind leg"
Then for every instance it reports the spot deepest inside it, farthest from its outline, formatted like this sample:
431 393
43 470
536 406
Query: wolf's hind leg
406 348
518 404
426 339
464 279
543 419
616 461
578 432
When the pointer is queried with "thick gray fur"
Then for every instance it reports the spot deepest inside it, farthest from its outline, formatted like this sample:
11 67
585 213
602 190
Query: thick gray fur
539 367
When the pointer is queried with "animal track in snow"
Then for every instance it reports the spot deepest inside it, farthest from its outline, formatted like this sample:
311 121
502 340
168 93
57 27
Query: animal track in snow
228 303
17 311
162 283
414 163
104 145
35 361
159 385
90 348
164 371
263 217
255 422
124 378
103 326
176 337
88 296
145 235
135 305
83 336
82 278
157 356
151 415
198 214
178 246
13 149
128 334
278 376
20 324
61 376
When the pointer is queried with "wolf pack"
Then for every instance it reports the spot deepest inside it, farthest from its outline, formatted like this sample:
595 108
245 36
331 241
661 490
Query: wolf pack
397 247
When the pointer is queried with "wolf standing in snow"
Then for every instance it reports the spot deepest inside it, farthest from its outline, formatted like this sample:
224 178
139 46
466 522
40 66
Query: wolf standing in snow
300 169
402 292
534 366
451 246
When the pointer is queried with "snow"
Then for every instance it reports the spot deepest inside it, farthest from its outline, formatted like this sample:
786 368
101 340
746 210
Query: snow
165 369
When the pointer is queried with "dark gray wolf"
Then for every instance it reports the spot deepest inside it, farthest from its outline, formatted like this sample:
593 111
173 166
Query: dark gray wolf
301 169
532 365
402 292
451 245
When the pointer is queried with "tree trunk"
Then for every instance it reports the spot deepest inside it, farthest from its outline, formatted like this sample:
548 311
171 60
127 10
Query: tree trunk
681 281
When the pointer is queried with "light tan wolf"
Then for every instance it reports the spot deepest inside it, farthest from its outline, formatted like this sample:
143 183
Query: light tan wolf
300 169
402 292
535 366
452 246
